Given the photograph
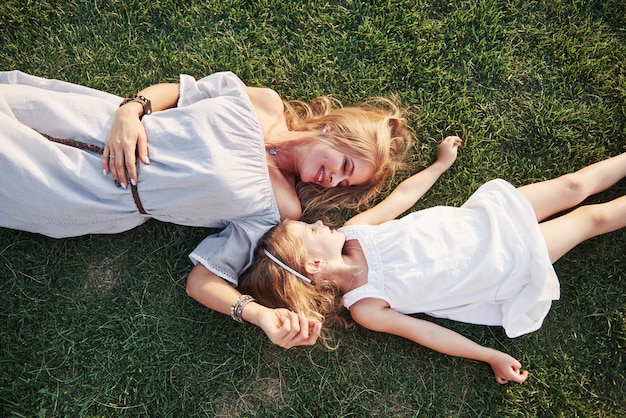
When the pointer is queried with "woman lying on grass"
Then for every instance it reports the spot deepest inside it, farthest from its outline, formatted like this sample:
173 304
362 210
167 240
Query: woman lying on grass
223 155
488 262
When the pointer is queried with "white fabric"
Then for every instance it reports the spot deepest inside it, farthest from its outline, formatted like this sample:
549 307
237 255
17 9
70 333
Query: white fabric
208 166
483 263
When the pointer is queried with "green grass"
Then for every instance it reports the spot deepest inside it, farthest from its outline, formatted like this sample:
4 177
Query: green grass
101 326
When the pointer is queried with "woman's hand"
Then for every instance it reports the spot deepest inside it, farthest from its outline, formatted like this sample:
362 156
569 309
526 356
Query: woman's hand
126 139
506 368
288 329
283 327
448 150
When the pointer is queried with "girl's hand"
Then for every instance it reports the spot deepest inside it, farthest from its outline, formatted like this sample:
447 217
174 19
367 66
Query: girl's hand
506 368
126 137
447 151
288 329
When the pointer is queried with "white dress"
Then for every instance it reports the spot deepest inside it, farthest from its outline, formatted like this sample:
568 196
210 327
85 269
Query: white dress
208 165
483 263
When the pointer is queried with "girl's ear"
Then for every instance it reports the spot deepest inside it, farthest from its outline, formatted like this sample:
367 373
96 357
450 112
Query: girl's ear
314 266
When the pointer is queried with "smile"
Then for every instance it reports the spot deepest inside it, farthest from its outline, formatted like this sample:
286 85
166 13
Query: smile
320 175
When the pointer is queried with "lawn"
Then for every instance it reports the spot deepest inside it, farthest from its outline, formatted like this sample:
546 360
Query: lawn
101 326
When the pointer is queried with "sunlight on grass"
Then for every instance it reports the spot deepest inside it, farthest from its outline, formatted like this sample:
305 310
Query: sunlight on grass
101 326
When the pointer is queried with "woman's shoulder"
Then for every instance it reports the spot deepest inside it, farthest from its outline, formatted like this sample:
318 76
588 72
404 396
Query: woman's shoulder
269 108
266 100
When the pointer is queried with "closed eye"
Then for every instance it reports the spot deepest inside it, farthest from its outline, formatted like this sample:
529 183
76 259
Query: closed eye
348 168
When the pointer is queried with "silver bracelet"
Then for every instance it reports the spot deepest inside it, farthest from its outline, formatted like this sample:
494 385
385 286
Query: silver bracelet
236 310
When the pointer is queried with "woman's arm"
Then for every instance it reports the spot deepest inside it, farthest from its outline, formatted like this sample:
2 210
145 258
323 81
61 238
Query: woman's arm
376 315
283 327
412 189
127 134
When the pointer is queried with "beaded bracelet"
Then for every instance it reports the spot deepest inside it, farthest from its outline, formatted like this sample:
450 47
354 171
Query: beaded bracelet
145 103
236 310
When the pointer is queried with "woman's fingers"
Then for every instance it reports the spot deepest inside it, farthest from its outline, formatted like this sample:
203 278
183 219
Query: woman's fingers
131 159
298 330
117 163
126 141
121 162
288 329
142 148
520 377
129 167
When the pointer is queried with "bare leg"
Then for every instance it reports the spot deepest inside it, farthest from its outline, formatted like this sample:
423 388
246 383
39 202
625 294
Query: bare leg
565 232
553 196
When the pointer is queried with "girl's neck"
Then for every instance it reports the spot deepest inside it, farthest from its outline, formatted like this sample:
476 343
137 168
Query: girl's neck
355 272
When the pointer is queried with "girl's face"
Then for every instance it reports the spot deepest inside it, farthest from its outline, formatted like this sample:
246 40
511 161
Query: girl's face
318 240
329 167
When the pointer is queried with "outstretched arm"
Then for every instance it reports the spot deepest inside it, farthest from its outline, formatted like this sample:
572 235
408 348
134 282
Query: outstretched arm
283 327
412 189
127 134
376 315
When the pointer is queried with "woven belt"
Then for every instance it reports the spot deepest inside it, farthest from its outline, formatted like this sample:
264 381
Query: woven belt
99 150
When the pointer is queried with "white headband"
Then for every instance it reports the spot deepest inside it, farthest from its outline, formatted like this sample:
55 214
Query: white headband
286 267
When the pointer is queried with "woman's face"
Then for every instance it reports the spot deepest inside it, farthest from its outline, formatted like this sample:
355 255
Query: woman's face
329 167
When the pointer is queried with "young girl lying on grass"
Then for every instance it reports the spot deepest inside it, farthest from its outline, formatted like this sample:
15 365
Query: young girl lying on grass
488 262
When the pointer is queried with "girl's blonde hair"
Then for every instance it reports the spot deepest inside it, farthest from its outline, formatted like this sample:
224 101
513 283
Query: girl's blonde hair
273 286
375 131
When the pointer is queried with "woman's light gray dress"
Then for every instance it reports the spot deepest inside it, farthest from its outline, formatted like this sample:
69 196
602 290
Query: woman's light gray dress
208 165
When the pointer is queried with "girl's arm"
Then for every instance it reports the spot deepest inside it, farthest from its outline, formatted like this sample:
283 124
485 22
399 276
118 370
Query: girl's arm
376 315
412 189
128 135
283 327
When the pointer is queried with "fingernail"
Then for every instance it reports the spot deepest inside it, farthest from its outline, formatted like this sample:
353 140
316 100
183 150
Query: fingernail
124 186
318 326
301 314
147 160
133 182
104 172
117 183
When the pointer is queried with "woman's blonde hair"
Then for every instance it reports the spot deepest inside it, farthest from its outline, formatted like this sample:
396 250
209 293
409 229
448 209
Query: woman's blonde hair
275 287
375 131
